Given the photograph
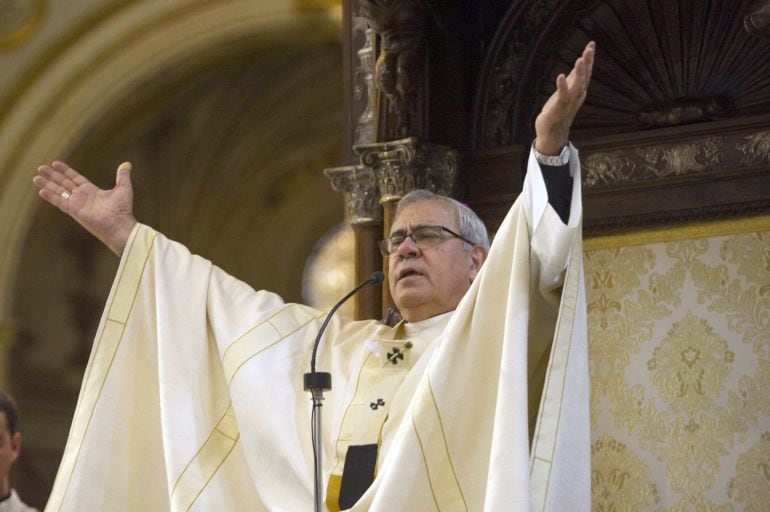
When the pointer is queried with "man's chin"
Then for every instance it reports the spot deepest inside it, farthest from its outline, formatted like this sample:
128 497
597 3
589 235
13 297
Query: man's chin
409 297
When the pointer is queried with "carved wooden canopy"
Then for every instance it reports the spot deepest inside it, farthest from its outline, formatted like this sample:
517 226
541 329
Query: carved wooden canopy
676 125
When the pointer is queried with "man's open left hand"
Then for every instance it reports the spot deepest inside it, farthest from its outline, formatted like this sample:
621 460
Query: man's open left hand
554 121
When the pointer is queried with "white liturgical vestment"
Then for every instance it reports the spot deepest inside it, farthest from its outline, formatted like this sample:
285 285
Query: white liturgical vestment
193 399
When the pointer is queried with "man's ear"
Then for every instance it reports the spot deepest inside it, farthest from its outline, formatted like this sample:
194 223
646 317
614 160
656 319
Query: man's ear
15 446
478 256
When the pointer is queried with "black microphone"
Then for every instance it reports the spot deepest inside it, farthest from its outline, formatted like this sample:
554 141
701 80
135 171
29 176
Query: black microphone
316 383
323 380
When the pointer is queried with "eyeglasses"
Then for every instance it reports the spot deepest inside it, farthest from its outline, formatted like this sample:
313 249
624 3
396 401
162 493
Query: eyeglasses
422 236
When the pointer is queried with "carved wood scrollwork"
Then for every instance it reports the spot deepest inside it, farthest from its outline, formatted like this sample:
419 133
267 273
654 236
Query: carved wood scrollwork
654 161
366 128
400 24
646 162
674 126
685 111
755 149
508 70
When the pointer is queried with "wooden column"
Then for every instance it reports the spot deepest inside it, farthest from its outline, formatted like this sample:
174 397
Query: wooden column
368 261
384 56
362 210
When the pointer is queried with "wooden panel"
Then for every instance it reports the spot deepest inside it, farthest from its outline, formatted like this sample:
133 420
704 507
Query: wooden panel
665 176
491 180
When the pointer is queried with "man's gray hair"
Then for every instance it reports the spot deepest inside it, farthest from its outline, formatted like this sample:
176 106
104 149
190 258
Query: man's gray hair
471 226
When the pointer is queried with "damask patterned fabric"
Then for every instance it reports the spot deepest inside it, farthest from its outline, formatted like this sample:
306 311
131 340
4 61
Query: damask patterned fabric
679 347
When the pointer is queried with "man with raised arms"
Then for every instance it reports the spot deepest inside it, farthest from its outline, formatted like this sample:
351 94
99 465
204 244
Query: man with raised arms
193 400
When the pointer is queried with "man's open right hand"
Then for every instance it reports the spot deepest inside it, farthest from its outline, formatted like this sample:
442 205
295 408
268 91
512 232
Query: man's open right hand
106 214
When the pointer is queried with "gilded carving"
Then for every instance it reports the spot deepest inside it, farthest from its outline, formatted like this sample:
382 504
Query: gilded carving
364 87
400 25
756 148
403 165
653 162
679 159
393 166
685 111
507 71
605 168
362 205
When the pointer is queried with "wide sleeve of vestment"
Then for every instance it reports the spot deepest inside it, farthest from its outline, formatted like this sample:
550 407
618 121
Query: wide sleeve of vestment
192 398
551 239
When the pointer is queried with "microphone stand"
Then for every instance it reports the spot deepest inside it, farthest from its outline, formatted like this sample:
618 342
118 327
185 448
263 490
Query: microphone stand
318 382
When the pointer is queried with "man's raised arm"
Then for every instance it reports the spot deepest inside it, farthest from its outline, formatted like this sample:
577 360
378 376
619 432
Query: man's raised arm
554 121
552 128
549 180
106 214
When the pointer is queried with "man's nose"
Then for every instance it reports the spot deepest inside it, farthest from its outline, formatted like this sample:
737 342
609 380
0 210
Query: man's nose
408 248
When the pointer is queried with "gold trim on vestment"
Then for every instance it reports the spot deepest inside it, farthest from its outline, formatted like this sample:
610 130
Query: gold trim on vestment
206 462
333 493
439 469
262 336
547 429
108 339
333 487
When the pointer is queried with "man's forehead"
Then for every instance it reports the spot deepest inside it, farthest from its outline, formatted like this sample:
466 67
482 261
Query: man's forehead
425 213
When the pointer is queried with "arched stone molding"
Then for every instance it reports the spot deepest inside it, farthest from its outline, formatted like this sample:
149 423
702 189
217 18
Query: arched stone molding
104 64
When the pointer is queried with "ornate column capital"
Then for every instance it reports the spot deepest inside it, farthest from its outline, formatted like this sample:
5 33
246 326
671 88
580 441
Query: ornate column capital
403 165
359 187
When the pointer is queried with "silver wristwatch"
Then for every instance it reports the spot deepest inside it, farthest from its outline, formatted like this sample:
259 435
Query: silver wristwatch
552 160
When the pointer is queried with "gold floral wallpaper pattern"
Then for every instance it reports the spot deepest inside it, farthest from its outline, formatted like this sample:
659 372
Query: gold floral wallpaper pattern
679 342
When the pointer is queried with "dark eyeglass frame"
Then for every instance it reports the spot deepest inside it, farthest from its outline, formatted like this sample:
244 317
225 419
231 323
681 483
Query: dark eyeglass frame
386 242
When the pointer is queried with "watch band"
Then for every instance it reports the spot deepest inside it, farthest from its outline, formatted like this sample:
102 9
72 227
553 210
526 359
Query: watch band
552 160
